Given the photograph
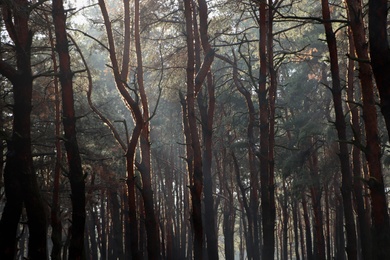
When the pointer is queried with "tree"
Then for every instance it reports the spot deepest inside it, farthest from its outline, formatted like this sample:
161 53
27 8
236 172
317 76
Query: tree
194 84
346 187
75 175
380 61
21 186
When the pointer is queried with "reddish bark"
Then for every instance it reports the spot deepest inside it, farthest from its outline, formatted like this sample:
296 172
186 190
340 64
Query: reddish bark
131 145
56 224
193 87
151 225
357 40
76 176
346 175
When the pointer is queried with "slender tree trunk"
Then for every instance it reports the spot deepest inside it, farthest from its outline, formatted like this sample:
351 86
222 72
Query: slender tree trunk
315 192
308 236
151 225
133 106
76 176
266 176
339 230
295 214
346 176
247 231
327 222
365 74
207 119
56 235
285 215
362 216
194 85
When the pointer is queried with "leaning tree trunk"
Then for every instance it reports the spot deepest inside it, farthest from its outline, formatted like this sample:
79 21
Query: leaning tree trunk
76 176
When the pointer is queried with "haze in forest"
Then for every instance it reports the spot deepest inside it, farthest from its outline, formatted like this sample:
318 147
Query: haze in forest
194 129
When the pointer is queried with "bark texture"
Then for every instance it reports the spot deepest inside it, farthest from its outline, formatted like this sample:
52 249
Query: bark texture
76 176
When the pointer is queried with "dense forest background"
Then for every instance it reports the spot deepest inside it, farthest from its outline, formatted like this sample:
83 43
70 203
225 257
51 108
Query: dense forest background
179 129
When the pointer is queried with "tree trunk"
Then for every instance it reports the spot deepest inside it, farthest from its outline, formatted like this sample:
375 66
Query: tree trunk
19 175
380 62
284 208
151 225
365 78
309 245
76 176
193 87
339 230
315 192
295 214
266 176
249 230
56 235
346 176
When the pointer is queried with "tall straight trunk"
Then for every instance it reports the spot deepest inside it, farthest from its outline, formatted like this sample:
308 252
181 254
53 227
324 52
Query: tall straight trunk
116 224
346 176
380 58
103 226
266 177
295 215
20 181
365 78
189 153
339 231
170 223
207 120
315 192
151 225
227 190
76 176
207 114
301 236
284 208
248 233
56 225
272 93
308 236
327 222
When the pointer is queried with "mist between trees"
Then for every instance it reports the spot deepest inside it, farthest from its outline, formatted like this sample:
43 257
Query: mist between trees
194 129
